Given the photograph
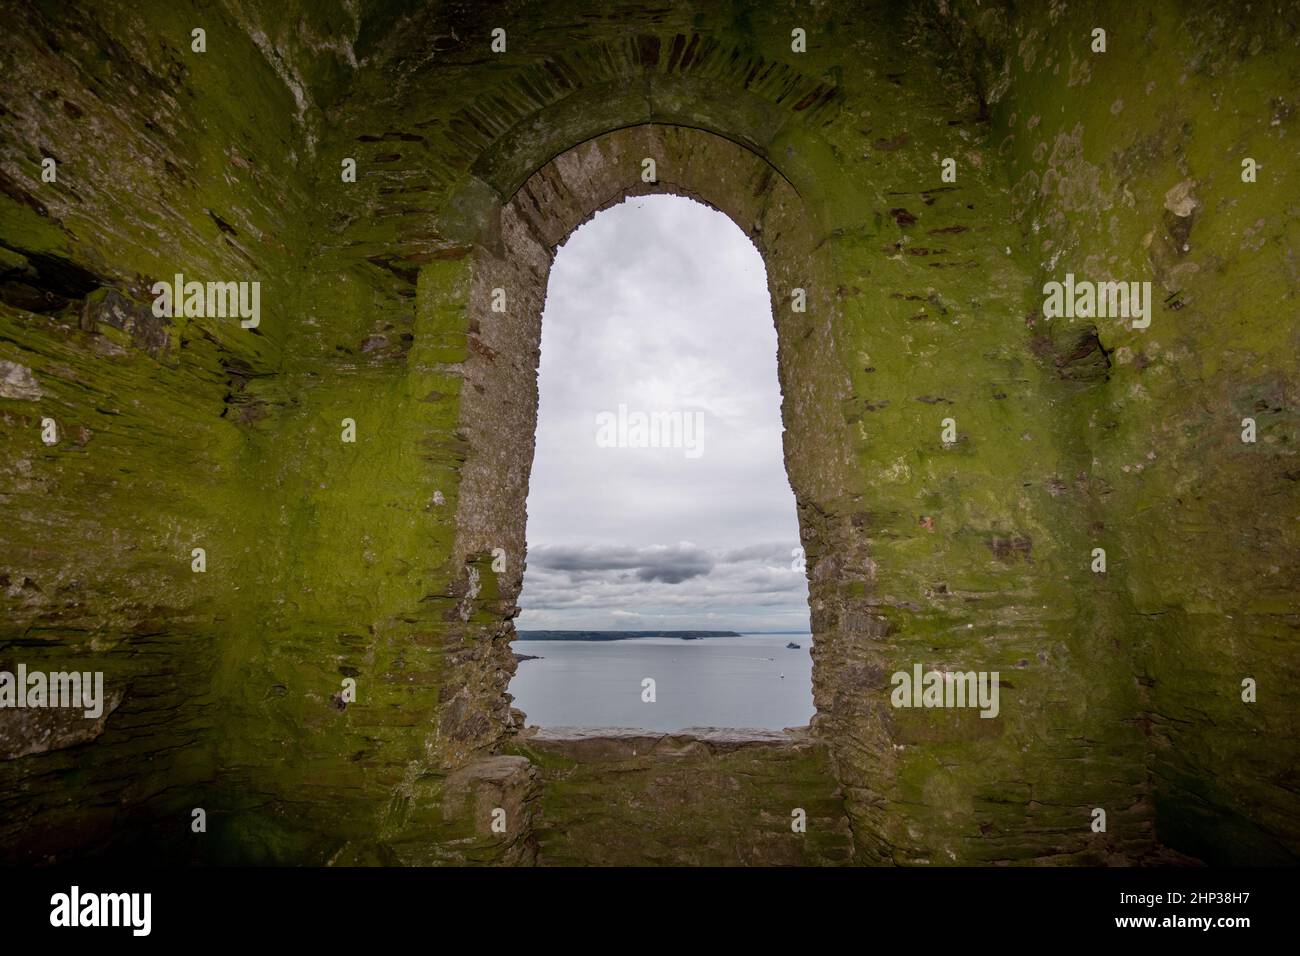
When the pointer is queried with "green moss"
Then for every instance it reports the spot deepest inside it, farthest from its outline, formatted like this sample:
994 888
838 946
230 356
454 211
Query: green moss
330 560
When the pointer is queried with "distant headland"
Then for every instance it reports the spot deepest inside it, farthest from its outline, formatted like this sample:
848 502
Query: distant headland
618 635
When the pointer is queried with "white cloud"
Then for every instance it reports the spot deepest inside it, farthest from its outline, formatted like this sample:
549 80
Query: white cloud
660 304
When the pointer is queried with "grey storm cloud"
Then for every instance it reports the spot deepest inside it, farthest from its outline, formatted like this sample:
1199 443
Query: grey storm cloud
660 304
669 584
671 565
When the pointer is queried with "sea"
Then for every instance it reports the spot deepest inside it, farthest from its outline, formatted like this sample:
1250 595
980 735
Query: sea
753 680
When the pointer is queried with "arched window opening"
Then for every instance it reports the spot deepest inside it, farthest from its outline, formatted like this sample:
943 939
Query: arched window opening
665 586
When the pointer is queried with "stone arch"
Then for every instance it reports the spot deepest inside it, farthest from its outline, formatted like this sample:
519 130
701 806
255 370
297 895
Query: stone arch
542 97
499 407
513 251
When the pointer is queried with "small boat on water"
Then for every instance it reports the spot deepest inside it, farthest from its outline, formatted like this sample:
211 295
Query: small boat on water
793 646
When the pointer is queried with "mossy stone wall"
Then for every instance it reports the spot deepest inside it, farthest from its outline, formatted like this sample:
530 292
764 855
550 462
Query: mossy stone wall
371 561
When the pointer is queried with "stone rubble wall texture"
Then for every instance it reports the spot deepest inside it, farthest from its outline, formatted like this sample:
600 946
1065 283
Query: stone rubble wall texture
630 798
373 560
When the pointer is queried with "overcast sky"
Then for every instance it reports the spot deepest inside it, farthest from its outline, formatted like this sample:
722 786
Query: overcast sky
660 305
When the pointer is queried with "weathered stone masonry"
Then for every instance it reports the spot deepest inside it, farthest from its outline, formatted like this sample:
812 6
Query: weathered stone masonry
373 560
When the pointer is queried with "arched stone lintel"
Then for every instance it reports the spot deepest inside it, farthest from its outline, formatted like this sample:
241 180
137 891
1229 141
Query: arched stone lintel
782 140
705 167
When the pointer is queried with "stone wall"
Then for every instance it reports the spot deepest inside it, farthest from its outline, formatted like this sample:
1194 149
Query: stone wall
167 162
1141 175
695 798
371 561
1130 164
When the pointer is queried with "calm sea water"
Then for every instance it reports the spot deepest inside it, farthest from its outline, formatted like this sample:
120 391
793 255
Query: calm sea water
710 682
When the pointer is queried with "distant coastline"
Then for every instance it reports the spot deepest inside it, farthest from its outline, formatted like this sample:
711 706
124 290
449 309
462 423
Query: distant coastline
618 635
